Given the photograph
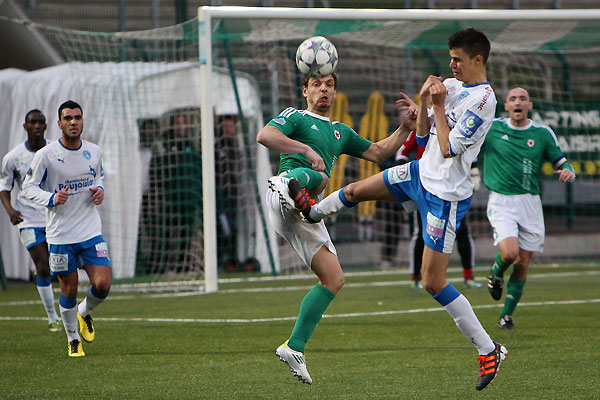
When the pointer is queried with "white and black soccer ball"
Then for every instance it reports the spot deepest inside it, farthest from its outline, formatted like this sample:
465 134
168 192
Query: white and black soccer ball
316 57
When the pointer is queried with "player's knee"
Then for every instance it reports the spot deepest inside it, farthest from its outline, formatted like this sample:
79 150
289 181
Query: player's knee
102 287
334 283
42 269
337 284
431 286
509 256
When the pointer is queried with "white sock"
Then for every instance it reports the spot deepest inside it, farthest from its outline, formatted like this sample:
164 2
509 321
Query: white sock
331 204
460 309
47 297
89 303
70 322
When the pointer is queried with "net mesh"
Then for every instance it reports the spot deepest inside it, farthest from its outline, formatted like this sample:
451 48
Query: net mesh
555 61
155 134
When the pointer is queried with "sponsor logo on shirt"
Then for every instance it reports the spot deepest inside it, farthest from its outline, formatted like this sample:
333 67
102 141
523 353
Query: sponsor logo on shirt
504 137
280 121
469 124
314 127
77 183
488 92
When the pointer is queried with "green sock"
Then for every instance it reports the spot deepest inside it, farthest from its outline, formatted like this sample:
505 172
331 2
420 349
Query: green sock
514 291
499 266
312 308
309 178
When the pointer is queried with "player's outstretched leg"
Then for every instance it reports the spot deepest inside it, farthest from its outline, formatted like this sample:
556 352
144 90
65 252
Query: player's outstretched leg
489 365
295 360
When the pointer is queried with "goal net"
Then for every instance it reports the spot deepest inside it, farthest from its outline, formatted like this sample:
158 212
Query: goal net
553 54
176 111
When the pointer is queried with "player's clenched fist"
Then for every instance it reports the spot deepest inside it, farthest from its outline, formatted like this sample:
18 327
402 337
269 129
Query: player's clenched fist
61 196
97 195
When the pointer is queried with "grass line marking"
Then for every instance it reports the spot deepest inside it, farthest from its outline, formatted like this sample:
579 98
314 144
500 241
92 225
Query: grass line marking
278 319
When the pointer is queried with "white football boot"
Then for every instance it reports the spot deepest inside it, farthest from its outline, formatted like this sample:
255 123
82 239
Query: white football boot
295 360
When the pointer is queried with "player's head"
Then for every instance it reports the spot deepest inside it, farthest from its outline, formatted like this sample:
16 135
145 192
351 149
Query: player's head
35 123
469 52
518 105
319 93
70 119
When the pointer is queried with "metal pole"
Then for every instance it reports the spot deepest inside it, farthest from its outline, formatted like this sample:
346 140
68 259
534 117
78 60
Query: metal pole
208 152
122 26
155 7
181 11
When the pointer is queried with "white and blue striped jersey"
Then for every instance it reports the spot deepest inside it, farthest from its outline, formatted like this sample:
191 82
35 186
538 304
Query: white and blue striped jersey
15 165
55 167
470 111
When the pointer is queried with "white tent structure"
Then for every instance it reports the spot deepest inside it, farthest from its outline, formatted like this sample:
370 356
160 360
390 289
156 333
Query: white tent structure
113 97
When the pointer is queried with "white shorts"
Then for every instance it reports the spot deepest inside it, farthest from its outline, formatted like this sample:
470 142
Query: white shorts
305 238
519 216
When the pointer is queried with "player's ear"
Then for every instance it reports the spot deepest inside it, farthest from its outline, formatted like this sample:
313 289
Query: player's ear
530 105
505 107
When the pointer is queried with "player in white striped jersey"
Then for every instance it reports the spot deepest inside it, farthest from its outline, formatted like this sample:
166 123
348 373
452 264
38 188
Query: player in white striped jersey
29 217
462 110
66 177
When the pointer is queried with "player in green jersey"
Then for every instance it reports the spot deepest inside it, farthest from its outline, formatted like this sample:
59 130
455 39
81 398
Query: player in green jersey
310 144
513 153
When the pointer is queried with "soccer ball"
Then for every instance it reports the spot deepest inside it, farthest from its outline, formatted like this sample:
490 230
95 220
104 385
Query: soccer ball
316 57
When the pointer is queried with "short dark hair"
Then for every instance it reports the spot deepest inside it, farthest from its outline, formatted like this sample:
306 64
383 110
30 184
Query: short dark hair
306 78
33 111
68 104
472 41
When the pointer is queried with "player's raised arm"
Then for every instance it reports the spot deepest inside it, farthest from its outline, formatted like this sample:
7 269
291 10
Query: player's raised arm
272 138
423 124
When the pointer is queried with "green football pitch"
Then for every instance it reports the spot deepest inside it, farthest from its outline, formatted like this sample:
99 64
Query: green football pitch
379 339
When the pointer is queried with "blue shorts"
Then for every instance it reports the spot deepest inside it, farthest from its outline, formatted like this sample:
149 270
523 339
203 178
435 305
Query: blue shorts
32 236
441 218
66 258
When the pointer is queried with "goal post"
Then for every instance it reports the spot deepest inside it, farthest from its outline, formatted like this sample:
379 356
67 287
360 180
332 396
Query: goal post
386 51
